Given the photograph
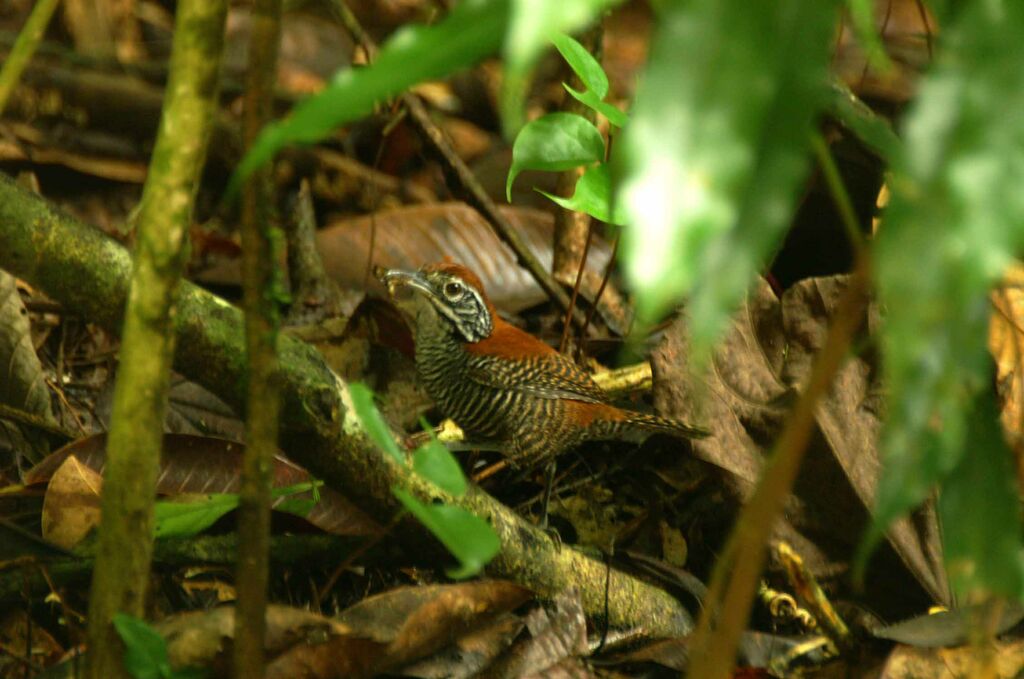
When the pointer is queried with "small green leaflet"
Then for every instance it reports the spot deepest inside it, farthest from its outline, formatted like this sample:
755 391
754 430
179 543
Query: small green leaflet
469 538
145 651
593 196
435 463
532 24
376 428
592 75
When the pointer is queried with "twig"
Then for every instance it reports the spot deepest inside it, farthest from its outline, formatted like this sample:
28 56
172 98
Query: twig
573 229
600 290
261 291
32 420
576 289
741 562
736 573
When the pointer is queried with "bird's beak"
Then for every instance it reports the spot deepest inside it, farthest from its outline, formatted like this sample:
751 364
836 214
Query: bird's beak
401 284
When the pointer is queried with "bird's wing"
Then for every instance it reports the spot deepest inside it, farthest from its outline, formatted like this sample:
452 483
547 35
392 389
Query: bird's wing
549 376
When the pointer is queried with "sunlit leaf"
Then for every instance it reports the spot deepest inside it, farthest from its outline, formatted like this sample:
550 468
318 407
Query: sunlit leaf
555 142
472 31
593 196
583 64
955 219
534 24
436 464
712 159
376 428
980 511
469 538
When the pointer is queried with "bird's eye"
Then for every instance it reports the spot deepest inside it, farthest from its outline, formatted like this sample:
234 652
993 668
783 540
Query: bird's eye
453 290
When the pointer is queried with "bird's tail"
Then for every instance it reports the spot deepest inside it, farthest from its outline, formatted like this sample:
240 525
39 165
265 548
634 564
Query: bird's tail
603 421
644 424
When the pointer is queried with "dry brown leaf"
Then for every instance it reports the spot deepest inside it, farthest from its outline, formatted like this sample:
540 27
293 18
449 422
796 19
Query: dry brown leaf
756 372
202 465
71 506
409 237
1006 343
1004 659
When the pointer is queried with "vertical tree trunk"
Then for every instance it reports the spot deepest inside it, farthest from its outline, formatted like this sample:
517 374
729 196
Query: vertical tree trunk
140 394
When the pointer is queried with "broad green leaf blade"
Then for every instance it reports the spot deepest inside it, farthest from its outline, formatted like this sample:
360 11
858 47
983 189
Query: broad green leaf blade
588 98
980 511
555 142
145 651
712 160
593 196
469 538
534 24
435 463
583 64
868 126
185 519
472 31
955 219
376 428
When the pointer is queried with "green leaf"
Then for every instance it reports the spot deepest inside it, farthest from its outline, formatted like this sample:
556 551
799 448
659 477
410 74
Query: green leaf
145 651
980 512
534 24
555 142
615 116
298 506
472 31
868 126
583 64
954 222
469 538
435 463
593 196
713 158
376 428
185 519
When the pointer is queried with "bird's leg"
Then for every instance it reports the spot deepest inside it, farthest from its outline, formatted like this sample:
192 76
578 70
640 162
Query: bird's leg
549 484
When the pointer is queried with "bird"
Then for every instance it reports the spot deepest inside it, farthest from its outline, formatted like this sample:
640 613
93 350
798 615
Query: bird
501 384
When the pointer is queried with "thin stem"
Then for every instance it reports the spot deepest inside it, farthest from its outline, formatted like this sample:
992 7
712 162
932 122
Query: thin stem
261 280
24 47
738 569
